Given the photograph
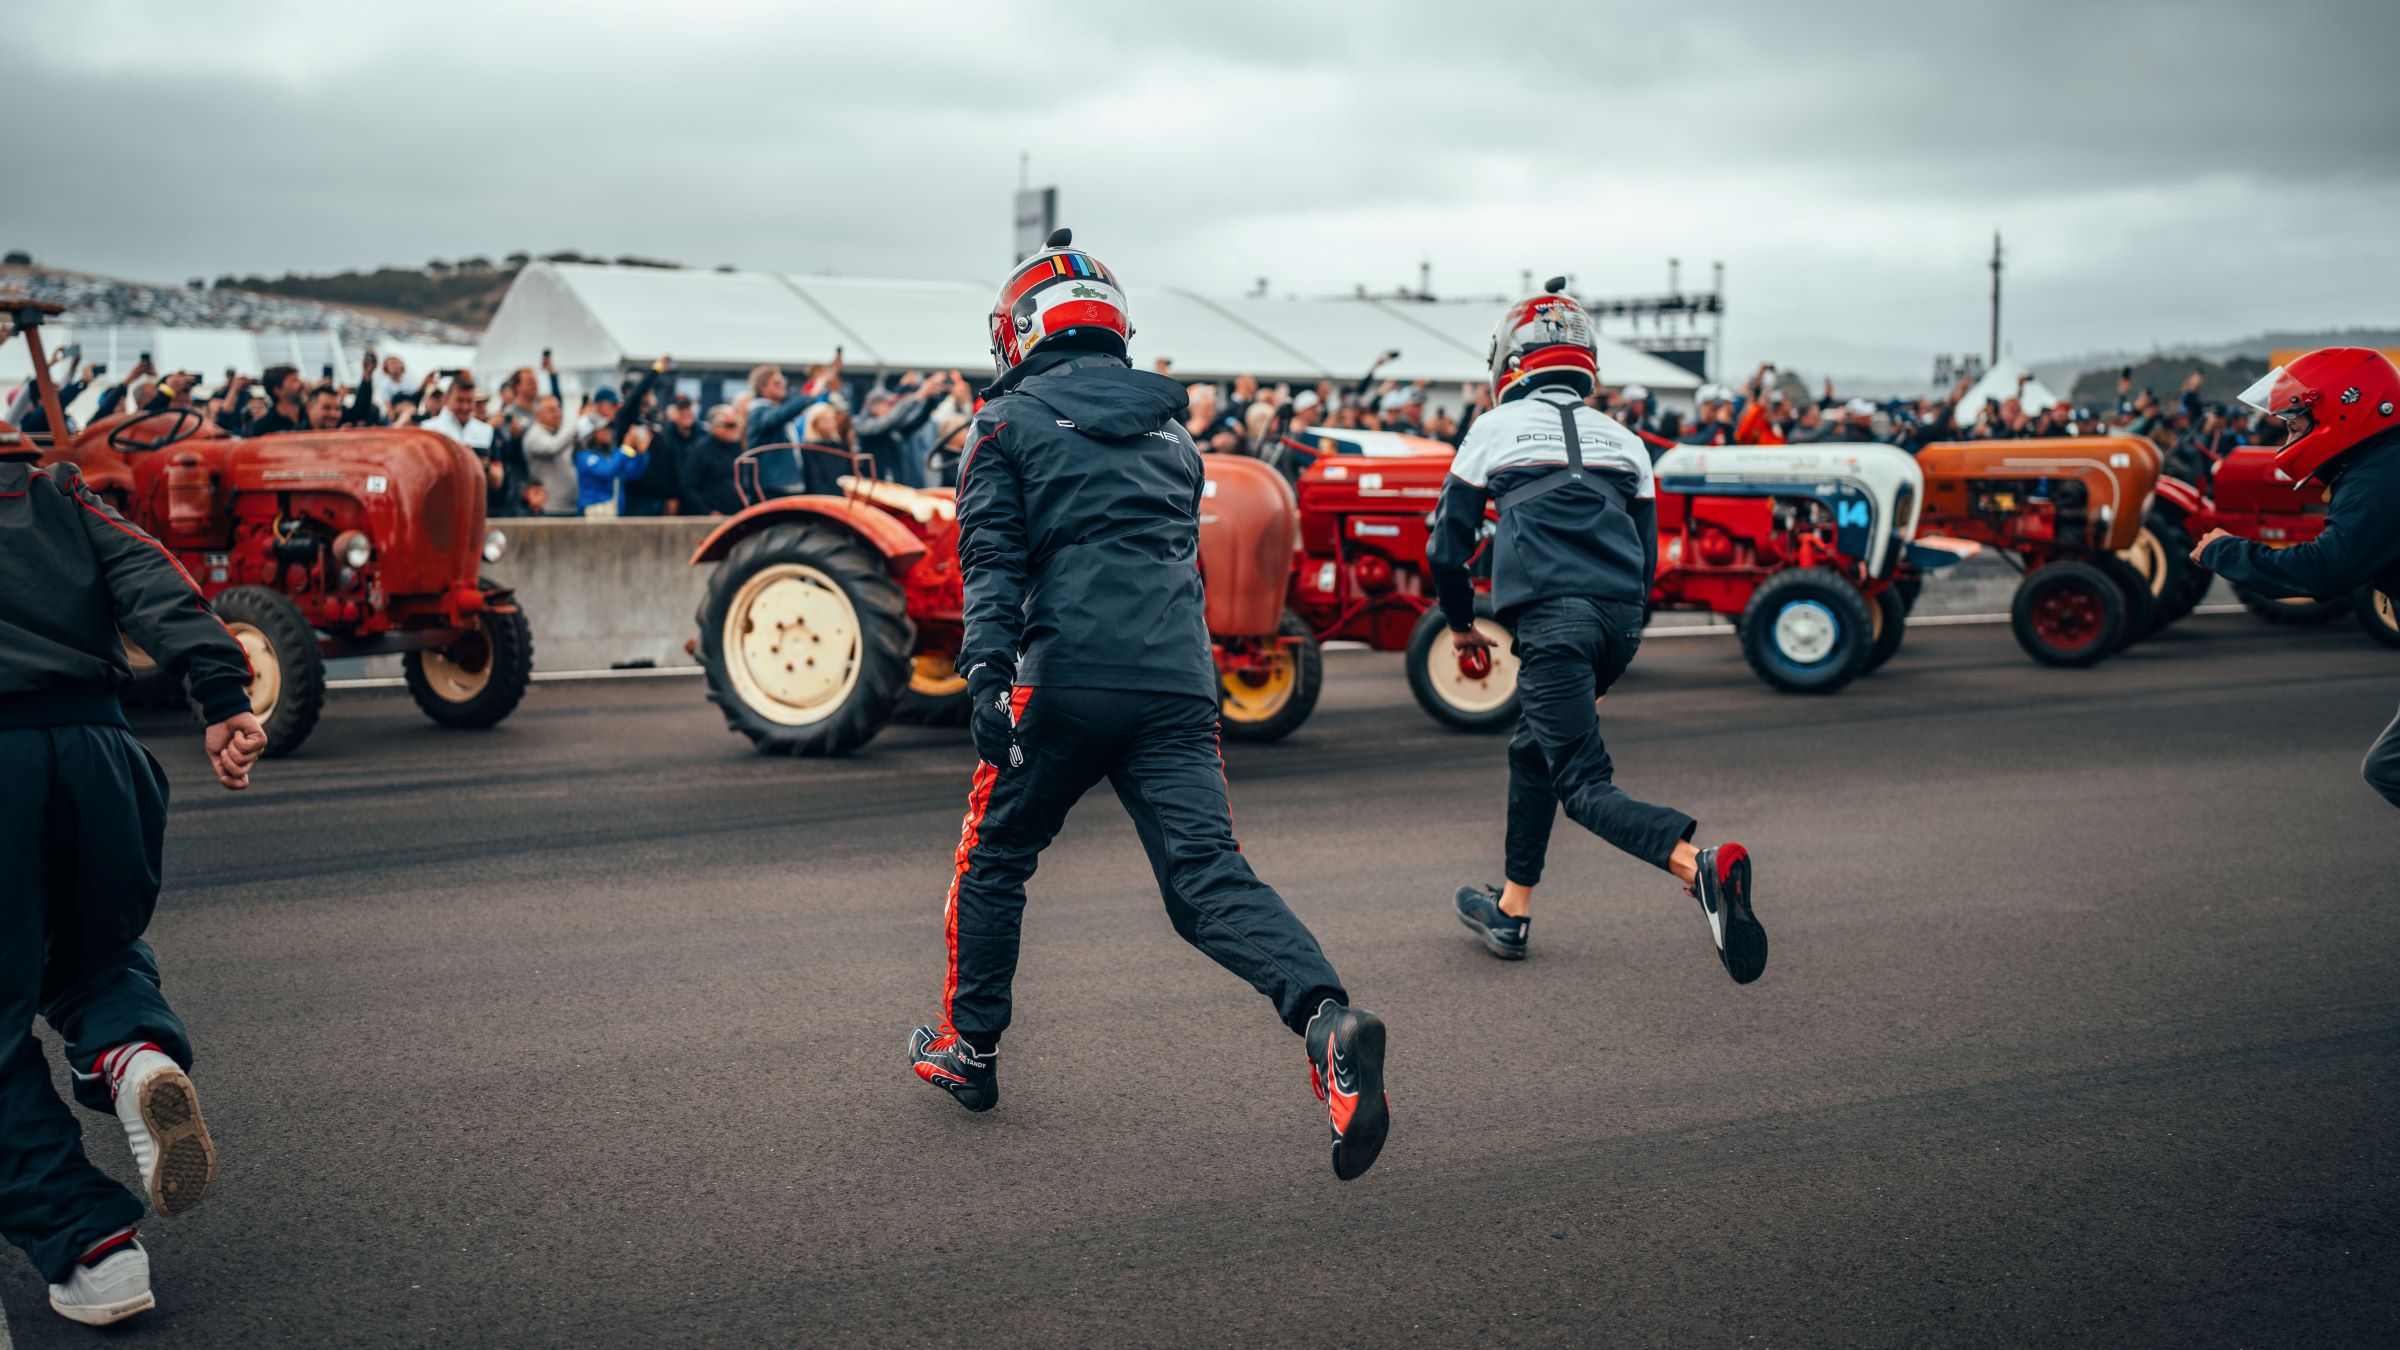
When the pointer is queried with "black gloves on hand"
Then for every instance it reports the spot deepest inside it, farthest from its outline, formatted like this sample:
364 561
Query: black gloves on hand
989 688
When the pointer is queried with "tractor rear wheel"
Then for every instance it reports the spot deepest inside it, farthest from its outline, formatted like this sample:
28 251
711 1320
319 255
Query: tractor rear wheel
1808 631
1458 692
936 695
1891 625
2377 615
1270 703
805 639
2068 613
476 681
287 672
2141 604
2297 613
2185 581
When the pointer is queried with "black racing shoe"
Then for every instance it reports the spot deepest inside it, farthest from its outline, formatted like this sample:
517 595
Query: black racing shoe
1504 935
945 1060
1345 1066
1723 891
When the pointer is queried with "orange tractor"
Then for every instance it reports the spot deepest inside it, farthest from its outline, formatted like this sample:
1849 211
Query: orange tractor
2069 512
315 544
829 617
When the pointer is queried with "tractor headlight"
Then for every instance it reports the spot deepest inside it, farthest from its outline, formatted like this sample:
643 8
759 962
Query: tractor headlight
495 543
354 548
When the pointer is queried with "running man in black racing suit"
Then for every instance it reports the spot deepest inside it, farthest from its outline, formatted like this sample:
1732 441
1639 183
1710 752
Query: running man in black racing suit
1087 657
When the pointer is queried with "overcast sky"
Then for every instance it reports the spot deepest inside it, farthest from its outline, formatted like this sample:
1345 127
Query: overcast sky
2164 172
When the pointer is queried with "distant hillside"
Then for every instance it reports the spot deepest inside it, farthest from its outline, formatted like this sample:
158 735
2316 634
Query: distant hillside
2073 371
465 292
2220 381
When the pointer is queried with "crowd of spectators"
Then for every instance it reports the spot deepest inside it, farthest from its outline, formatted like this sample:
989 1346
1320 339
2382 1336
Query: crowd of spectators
643 451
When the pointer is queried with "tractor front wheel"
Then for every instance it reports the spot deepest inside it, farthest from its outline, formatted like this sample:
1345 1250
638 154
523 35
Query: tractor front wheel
2182 582
1460 690
805 639
2068 614
287 672
2376 615
2295 613
1269 701
936 695
476 681
1807 631
2141 604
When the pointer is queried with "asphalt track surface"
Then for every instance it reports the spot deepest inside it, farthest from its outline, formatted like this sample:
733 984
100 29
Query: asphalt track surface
2081 1025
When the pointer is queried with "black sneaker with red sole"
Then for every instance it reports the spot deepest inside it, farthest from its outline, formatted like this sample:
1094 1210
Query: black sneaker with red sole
945 1060
1723 890
1345 1066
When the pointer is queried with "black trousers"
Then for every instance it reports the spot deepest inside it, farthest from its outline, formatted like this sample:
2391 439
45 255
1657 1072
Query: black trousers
2382 769
83 810
1159 751
1569 651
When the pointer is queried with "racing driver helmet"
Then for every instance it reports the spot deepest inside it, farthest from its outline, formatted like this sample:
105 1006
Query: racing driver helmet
2330 402
1059 297
1546 339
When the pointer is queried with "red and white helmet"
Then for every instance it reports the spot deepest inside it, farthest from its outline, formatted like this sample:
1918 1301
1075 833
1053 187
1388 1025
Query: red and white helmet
1058 294
1546 333
2329 401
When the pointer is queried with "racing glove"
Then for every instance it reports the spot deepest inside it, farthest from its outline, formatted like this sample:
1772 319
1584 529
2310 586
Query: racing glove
990 686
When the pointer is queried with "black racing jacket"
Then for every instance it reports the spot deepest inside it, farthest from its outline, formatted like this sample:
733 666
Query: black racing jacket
1079 530
2360 543
1594 535
72 574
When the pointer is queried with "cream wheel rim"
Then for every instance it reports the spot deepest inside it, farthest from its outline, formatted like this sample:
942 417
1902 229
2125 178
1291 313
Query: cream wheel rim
1258 694
2147 556
2384 613
1455 687
792 644
266 673
451 681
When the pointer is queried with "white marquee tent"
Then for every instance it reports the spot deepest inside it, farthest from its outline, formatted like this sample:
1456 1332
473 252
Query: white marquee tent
2000 384
600 320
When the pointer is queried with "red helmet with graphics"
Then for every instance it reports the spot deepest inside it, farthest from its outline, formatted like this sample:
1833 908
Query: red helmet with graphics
1059 297
1546 339
2329 401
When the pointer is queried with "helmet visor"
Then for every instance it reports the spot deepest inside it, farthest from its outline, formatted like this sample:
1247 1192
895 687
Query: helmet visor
2276 394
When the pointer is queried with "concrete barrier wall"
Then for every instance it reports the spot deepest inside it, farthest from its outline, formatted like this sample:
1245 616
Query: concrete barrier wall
609 594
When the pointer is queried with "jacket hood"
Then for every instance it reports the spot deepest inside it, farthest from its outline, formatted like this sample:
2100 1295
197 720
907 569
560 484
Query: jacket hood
1101 394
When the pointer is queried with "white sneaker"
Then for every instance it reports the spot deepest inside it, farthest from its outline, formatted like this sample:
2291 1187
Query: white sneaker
111 1291
161 1114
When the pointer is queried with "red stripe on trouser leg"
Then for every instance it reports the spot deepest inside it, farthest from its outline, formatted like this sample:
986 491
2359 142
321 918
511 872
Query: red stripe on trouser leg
979 800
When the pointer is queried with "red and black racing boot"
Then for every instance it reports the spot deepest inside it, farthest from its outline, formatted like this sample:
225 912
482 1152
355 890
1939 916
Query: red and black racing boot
944 1059
1345 1066
1723 890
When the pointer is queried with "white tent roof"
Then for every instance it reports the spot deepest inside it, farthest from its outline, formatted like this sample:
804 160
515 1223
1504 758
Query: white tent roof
599 319
2000 383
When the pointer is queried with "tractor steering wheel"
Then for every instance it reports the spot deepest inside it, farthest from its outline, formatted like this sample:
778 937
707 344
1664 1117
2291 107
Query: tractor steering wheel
941 462
182 422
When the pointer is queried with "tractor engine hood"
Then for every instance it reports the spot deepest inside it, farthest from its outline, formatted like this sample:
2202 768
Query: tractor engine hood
420 492
1875 491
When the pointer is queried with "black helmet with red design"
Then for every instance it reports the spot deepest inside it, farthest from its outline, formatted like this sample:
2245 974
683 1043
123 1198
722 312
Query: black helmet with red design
2330 402
1059 297
1545 339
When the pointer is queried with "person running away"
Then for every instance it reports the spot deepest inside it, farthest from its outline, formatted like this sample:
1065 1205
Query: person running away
83 811
2340 410
1087 657
1571 561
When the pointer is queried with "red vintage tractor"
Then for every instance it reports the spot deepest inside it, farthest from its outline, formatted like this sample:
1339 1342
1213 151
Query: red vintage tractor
316 544
2243 493
828 617
1818 531
2068 511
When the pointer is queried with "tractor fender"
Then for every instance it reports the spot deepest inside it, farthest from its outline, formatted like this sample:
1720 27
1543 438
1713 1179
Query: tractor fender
900 548
2181 496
